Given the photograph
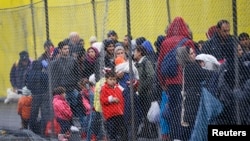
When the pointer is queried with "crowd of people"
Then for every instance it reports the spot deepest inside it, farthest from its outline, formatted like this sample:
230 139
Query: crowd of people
94 85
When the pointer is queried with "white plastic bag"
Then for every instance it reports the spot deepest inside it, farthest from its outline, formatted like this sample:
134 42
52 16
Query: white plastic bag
154 112
11 96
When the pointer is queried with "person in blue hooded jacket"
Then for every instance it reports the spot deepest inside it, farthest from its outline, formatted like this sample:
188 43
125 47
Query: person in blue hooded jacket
37 83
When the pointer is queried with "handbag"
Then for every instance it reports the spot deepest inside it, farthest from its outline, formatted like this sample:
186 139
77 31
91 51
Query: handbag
154 112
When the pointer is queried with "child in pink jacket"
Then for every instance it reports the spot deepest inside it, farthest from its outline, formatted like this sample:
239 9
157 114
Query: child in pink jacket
63 113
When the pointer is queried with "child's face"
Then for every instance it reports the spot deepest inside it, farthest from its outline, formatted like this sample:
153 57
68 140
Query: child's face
91 53
64 95
111 81
202 63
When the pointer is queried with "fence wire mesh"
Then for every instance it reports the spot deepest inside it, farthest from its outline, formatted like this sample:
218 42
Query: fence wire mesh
178 66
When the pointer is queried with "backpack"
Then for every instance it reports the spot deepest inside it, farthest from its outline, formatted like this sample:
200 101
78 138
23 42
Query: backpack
169 64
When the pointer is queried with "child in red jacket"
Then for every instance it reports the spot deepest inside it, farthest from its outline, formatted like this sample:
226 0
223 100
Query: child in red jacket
112 103
24 107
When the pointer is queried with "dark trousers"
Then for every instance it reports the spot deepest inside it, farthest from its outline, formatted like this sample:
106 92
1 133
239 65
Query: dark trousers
174 118
97 125
116 129
64 124
25 123
148 130
40 102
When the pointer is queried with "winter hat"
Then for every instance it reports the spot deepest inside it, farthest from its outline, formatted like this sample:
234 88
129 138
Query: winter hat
119 60
118 44
98 46
24 55
26 91
118 48
92 39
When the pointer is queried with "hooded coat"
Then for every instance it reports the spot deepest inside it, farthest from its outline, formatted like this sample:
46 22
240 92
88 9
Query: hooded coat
177 30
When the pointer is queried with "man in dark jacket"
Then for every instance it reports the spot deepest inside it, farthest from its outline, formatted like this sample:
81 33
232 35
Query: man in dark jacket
220 44
146 74
37 83
177 32
19 71
64 73
46 57
76 44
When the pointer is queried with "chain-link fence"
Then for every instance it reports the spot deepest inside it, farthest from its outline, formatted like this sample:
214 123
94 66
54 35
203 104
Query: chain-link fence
104 35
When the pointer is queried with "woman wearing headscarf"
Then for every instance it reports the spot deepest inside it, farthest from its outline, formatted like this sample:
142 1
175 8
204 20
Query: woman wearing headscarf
193 76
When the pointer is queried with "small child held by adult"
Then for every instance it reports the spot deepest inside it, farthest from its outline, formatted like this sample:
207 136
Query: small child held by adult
112 103
62 110
122 66
24 107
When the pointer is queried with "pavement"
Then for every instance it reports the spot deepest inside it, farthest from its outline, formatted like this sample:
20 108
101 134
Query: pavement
9 118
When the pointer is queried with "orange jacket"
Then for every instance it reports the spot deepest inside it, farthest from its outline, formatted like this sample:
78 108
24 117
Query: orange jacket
24 106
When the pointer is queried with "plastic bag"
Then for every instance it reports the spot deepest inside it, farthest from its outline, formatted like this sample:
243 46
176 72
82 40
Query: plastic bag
11 96
154 112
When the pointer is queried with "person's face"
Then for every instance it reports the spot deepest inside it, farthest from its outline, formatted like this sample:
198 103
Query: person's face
47 49
192 54
64 95
125 41
202 63
111 49
65 50
200 46
245 42
111 81
91 53
239 51
224 31
25 62
137 55
120 53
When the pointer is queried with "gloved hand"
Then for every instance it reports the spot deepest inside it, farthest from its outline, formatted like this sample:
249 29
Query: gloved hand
44 63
